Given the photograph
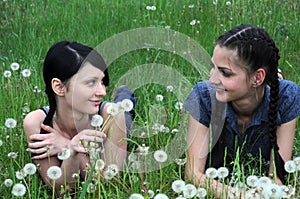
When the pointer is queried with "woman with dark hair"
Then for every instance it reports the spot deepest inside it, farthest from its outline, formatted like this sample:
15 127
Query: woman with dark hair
244 107
75 78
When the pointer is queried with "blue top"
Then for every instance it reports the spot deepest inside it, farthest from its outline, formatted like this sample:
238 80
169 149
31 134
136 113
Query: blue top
254 138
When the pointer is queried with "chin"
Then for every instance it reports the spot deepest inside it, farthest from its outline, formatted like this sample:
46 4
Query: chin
221 98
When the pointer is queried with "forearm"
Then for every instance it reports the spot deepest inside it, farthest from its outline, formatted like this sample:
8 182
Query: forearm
115 153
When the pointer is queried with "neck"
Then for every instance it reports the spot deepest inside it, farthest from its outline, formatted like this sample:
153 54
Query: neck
248 106
70 123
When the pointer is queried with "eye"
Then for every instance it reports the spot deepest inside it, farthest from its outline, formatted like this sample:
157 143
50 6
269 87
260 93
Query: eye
91 82
225 74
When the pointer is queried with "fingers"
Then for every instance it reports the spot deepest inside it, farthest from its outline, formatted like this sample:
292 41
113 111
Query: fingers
37 151
47 128
41 153
94 133
36 145
91 143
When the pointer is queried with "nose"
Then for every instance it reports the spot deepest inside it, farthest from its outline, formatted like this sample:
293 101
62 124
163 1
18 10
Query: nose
100 89
214 76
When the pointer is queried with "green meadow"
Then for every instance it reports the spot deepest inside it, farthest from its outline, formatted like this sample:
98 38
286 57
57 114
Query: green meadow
28 28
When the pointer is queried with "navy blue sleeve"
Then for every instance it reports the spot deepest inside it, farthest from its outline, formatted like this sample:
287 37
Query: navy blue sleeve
198 103
289 105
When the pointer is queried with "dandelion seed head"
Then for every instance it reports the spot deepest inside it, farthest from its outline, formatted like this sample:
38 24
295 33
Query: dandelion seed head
252 181
97 121
132 157
288 191
8 182
151 193
12 155
193 22
136 196
113 109
161 196
108 174
160 156
174 131
264 181
290 166
7 74
164 129
253 194
15 66
75 176
20 175
143 150
191 6
228 3
178 186
10 123
64 154
159 98
30 169
211 173
273 191
54 172
297 163
153 8
127 105
36 90
25 109
178 106
114 168
170 88
180 161
189 191
18 190
233 193
99 165
222 172
26 73
201 192
91 188
1 143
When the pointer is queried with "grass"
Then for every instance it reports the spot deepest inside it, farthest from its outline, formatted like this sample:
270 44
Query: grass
28 28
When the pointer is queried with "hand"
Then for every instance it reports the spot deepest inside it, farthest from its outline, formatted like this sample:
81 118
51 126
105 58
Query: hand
46 145
87 139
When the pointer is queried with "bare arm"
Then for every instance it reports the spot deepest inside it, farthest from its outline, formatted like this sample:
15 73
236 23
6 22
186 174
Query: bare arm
198 149
115 145
38 144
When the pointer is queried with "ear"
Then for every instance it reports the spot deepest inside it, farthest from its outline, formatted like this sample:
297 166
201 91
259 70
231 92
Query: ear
258 77
57 87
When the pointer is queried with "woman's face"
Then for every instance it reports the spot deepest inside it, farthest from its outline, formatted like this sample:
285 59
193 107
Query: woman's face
230 79
86 89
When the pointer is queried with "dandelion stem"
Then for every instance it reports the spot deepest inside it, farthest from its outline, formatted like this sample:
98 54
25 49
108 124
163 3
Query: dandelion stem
53 190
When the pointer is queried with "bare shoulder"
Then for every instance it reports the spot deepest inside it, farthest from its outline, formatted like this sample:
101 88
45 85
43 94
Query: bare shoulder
32 122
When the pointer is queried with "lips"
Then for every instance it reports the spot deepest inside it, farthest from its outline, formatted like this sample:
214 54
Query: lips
96 102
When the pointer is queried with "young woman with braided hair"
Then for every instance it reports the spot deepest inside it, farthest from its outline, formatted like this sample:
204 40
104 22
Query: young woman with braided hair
75 77
244 107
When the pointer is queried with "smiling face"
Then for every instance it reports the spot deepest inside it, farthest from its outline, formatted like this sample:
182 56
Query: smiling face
230 79
86 89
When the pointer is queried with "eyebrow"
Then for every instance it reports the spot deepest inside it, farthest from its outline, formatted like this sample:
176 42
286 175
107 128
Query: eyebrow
219 67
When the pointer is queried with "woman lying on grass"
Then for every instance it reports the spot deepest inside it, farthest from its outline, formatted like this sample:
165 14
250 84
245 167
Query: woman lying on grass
246 107
75 78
